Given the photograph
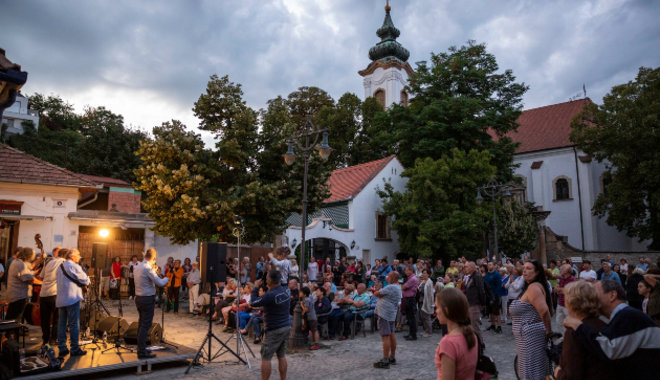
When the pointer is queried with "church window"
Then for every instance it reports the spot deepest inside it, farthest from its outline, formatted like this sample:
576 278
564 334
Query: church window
382 226
562 188
380 96
404 98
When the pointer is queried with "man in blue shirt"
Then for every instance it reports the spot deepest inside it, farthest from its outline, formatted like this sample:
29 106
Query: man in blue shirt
609 274
275 304
493 280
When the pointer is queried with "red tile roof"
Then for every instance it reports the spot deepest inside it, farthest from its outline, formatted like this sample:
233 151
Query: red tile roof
346 183
19 167
547 127
106 180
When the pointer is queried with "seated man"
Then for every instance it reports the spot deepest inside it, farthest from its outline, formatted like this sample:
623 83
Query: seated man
358 306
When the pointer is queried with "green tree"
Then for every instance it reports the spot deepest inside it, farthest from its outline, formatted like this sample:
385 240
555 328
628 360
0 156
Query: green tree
624 133
438 215
458 101
516 228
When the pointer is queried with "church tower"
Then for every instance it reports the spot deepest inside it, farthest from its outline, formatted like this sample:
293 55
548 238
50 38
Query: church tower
387 75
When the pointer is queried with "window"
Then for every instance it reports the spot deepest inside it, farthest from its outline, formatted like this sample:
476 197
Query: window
404 98
562 188
380 96
382 226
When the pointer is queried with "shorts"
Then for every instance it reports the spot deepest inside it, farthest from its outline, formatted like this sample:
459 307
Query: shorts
313 326
385 328
275 342
495 306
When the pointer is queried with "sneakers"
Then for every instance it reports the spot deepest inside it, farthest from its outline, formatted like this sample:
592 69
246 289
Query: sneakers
78 352
383 363
314 346
257 341
342 338
410 337
498 329
63 352
425 335
392 360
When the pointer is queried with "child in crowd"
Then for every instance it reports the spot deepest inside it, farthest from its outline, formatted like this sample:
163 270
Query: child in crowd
309 314
457 353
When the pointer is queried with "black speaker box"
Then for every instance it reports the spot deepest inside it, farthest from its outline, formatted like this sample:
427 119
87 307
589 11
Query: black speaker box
154 336
213 262
99 255
109 325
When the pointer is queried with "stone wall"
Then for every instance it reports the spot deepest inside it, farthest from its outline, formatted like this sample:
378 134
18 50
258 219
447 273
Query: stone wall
557 248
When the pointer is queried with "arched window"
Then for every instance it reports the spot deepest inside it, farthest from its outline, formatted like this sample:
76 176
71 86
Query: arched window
404 98
562 188
380 96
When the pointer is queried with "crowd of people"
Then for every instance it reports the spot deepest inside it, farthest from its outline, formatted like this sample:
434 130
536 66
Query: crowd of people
608 315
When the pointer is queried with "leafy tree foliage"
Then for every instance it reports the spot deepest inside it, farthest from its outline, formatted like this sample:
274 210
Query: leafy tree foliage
516 228
438 215
624 133
96 142
457 102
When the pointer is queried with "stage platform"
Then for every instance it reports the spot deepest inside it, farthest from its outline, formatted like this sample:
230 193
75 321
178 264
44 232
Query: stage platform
96 362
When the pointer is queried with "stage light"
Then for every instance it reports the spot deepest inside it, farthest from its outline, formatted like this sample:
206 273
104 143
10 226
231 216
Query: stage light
104 233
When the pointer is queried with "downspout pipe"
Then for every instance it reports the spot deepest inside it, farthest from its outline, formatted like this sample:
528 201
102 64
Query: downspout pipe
577 175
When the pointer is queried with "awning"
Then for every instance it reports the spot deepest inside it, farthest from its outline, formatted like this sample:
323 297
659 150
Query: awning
25 217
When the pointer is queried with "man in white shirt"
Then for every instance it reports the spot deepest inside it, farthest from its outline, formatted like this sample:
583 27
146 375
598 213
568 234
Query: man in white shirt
131 279
47 310
588 274
193 281
71 279
146 279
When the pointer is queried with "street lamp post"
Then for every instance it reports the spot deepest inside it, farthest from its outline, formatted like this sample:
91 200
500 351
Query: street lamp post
324 151
309 136
493 190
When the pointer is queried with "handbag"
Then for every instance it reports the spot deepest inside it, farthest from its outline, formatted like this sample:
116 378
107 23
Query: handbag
486 368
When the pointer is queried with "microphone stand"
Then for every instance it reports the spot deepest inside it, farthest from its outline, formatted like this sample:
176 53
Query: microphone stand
118 345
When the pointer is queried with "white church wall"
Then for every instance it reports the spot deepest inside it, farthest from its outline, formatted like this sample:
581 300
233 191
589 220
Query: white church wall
392 80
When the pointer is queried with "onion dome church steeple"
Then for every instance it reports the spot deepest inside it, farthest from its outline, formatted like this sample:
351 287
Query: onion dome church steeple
387 75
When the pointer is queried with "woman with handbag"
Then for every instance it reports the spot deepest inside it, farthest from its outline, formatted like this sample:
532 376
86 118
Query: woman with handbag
457 353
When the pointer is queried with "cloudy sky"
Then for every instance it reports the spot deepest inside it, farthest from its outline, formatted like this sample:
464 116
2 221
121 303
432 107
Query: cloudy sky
150 60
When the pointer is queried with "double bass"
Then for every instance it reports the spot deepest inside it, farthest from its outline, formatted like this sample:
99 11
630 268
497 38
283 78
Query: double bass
32 309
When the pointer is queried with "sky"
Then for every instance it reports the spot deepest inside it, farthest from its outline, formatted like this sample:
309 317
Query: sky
150 60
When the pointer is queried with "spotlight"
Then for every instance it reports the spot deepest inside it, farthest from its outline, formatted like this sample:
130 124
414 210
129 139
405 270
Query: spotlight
104 233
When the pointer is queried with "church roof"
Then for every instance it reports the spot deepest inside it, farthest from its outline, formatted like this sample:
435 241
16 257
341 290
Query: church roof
346 183
388 49
547 127
19 167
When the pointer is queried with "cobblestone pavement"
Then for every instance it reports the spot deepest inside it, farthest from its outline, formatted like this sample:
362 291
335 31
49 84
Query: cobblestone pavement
350 359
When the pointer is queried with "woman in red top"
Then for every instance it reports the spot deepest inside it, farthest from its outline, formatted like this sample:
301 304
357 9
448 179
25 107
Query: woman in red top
457 353
115 278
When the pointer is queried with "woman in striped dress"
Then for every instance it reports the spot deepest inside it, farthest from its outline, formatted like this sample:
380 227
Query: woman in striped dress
531 323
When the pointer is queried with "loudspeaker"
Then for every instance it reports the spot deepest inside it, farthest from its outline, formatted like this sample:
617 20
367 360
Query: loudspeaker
99 255
109 325
154 336
213 262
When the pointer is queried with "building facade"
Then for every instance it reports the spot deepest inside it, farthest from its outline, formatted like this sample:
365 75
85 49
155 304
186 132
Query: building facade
351 222
19 114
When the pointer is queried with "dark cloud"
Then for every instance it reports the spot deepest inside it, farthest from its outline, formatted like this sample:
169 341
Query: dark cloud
150 60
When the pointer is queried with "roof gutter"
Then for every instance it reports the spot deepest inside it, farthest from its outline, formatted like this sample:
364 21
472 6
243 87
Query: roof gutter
51 184
94 198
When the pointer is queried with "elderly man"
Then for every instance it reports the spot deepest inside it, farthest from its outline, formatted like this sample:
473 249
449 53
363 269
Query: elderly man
193 281
475 292
146 280
71 279
358 306
409 293
631 341
47 310
19 278
565 279
388 302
